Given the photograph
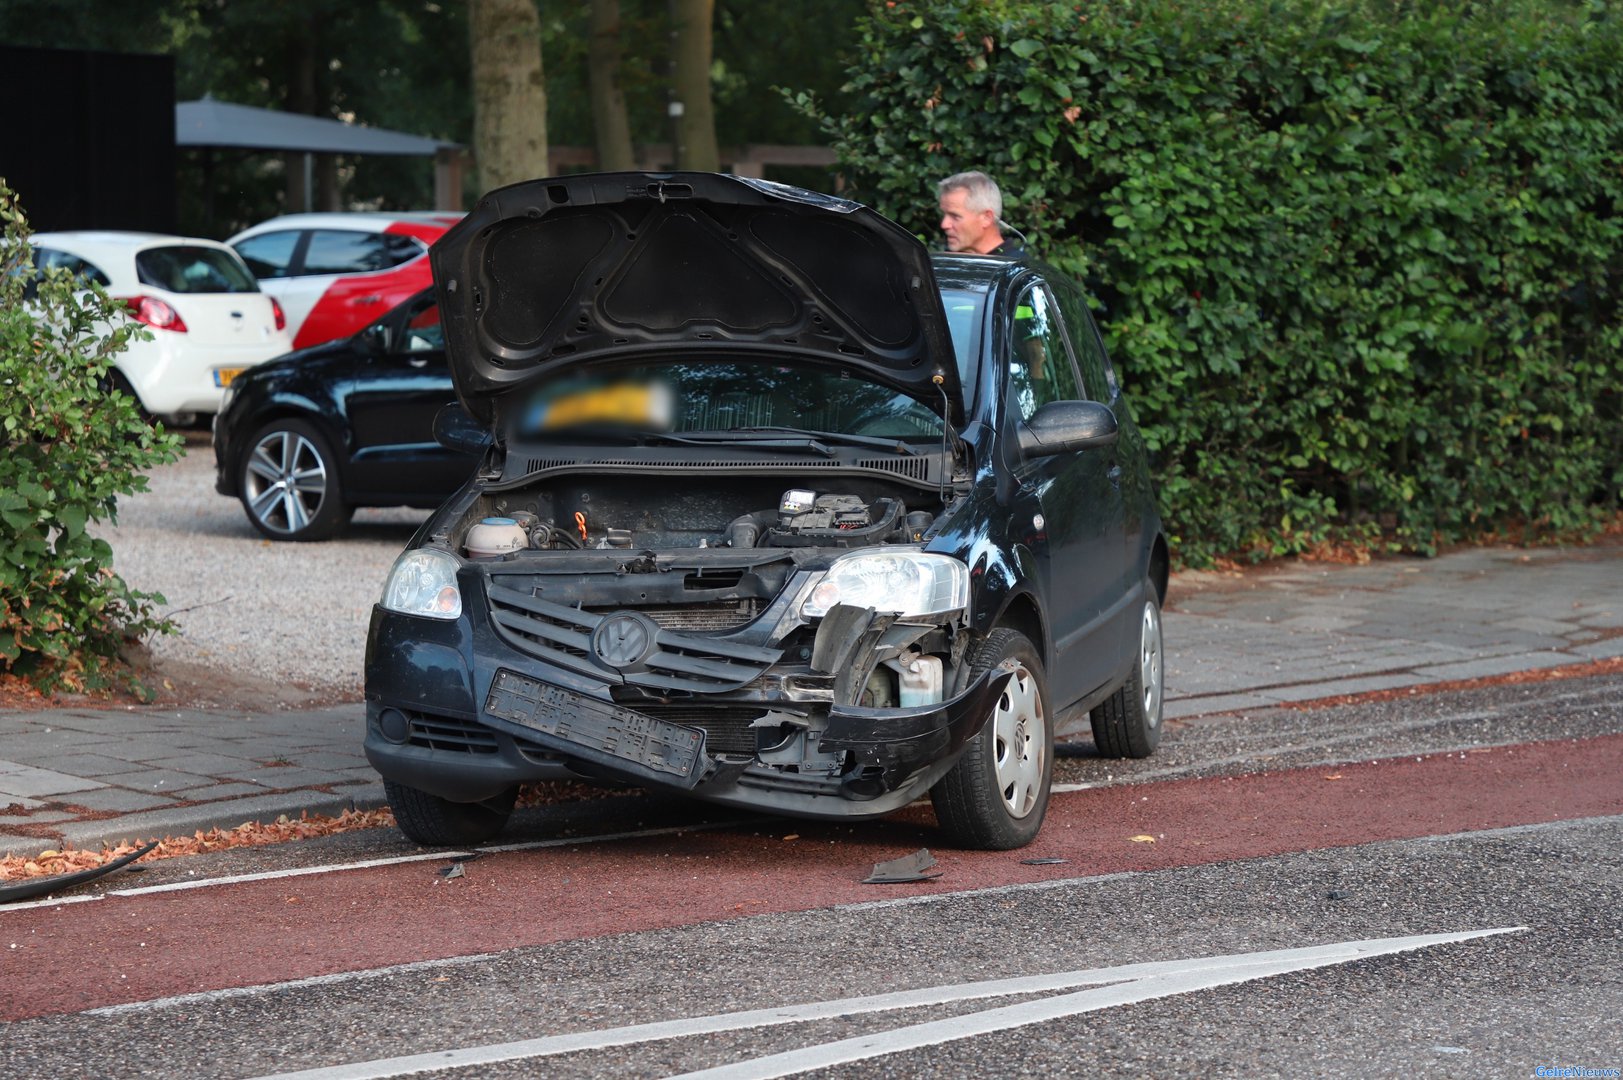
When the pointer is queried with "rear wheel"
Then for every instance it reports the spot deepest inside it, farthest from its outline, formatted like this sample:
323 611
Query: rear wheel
436 822
995 797
1128 723
288 483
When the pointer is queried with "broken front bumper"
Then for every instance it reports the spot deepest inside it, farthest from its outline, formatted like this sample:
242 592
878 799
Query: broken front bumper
540 731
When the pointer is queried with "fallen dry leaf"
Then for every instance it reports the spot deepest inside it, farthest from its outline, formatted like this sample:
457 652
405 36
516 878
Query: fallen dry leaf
1142 838
248 834
1333 776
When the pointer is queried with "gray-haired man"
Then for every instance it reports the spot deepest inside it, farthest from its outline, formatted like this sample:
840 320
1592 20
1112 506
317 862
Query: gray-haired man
972 216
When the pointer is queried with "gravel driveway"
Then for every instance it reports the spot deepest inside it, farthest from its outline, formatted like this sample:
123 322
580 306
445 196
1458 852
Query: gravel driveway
246 607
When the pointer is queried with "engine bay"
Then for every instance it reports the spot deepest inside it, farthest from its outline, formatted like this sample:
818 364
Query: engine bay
663 514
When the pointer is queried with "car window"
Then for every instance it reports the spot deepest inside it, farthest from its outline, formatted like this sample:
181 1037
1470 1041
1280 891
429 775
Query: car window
1098 376
86 272
963 310
269 255
186 268
342 251
1040 368
423 330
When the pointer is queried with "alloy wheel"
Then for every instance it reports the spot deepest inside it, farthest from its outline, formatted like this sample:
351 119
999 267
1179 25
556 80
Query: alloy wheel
285 482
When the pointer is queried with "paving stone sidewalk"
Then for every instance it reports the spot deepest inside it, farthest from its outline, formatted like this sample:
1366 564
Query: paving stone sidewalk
1234 642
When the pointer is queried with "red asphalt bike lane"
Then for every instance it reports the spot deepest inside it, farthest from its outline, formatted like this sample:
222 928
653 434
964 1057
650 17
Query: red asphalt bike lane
136 948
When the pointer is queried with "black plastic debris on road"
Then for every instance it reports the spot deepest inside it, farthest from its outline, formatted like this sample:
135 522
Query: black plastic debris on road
28 890
1047 861
909 868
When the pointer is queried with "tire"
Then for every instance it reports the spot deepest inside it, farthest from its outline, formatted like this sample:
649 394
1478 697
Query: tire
435 822
1128 723
995 797
289 485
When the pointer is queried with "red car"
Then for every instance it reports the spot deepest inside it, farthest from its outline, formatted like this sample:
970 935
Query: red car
335 273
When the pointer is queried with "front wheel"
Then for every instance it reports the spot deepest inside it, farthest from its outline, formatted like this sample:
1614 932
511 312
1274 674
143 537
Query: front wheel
995 797
1128 723
435 822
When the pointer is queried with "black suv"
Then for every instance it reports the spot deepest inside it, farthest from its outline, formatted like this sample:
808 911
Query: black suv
774 509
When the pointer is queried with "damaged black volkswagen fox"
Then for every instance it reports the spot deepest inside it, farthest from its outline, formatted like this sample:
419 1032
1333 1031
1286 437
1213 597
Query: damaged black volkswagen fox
775 509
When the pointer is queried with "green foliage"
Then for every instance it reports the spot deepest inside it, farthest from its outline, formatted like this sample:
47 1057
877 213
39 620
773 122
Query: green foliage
71 447
1359 263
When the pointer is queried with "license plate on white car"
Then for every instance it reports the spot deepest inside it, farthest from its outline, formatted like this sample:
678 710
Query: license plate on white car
223 376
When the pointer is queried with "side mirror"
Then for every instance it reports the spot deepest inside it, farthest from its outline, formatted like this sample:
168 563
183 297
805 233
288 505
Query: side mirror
376 339
1060 426
455 430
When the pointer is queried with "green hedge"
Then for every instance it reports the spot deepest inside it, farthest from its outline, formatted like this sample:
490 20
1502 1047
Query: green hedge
1359 264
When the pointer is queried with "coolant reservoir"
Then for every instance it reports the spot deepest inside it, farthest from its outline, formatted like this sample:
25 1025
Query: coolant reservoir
495 536
920 680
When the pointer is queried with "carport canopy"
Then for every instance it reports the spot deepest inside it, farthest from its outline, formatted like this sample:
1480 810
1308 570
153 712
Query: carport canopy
209 124
218 123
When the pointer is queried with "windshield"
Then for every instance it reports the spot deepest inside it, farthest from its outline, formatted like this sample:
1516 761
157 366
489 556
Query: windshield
721 397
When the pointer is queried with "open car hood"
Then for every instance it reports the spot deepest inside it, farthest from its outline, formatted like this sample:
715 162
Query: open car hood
560 274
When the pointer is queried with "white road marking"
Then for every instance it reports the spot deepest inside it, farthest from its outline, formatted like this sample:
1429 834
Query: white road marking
367 864
1121 985
209 997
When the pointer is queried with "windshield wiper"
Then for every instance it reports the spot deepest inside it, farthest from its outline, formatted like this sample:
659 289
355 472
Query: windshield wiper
689 438
895 446
758 438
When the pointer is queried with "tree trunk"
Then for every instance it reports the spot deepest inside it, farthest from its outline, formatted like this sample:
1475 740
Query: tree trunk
509 92
609 120
301 98
690 79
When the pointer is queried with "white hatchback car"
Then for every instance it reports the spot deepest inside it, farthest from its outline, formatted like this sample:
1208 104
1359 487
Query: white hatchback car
209 320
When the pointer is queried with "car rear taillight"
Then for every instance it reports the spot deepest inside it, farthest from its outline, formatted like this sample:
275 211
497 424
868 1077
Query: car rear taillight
156 313
281 316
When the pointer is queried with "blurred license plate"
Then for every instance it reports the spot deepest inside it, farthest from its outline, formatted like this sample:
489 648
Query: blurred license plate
223 376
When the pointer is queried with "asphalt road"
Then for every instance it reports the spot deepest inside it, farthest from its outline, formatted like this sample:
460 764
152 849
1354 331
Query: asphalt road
1481 830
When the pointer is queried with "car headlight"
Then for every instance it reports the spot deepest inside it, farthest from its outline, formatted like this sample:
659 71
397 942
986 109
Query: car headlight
423 582
906 582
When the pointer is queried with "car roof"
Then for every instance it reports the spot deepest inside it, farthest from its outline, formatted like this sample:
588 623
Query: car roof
975 272
112 241
364 220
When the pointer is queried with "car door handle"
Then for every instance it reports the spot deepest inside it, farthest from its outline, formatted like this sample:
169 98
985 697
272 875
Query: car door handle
359 300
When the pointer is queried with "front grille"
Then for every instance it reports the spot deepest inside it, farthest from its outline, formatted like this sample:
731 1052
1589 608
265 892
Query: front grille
727 728
450 733
720 615
680 661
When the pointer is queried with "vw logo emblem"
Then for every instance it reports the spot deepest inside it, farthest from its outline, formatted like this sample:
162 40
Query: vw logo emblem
624 639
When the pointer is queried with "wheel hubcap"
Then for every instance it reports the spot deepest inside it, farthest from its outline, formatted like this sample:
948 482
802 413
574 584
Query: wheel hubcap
1149 664
285 482
1019 727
